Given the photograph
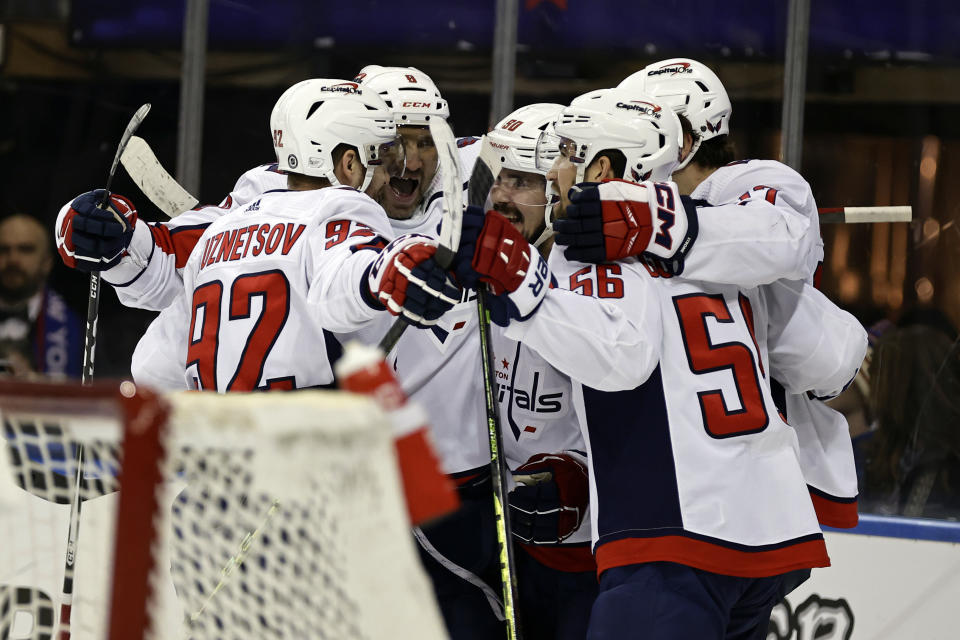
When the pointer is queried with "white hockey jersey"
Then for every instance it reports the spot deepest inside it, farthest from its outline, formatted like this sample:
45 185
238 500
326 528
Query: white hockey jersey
160 354
793 250
693 463
537 416
270 284
762 225
149 276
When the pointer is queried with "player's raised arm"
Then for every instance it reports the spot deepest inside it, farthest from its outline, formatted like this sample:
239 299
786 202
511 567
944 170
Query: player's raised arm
758 224
147 272
600 333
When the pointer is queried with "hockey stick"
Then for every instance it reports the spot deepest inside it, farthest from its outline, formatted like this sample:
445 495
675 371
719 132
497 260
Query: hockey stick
848 215
449 167
93 303
486 169
154 181
89 349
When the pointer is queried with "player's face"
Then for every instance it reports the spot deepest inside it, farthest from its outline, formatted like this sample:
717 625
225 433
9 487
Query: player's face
562 176
520 197
408 181
24 258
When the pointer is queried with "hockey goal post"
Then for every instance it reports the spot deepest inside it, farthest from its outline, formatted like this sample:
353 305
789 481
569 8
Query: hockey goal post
266 515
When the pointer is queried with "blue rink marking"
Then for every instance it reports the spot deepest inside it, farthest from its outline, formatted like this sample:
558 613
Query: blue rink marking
910 528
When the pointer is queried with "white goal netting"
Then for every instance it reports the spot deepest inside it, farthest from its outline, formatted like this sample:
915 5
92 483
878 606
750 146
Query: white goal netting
278 515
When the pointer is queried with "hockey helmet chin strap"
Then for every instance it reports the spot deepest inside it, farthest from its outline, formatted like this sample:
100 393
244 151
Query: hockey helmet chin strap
693 151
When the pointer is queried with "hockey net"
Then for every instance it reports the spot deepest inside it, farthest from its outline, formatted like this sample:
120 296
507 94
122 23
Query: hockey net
272 515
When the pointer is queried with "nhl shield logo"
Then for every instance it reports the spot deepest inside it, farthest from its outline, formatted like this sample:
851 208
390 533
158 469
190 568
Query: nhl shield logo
292 161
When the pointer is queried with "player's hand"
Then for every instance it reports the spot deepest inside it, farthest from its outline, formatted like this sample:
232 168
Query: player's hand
492 251
616 219
550 500
408 282
93 239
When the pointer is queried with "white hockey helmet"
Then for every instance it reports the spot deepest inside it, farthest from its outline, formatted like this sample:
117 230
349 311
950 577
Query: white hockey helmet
314 116
648 134
589 96
693 90
515 137
409 92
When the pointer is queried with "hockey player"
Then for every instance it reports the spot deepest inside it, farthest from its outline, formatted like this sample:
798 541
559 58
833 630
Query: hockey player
541 437
699 505
709 173
295 265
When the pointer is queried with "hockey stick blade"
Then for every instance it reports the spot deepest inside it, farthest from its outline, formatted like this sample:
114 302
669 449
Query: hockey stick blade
154 181
853 215
485 171
449 162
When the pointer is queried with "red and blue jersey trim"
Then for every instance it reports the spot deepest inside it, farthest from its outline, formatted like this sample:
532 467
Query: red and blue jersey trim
714 555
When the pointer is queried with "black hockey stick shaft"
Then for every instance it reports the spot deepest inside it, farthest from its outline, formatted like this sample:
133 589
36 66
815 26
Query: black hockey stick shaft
89 347
498 475
93 300
484 172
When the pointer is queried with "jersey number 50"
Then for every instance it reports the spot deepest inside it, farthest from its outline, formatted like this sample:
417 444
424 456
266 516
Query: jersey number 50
203 345
704 356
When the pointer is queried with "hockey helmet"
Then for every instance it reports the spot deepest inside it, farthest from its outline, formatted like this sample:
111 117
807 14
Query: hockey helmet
314 116
693 90
648 134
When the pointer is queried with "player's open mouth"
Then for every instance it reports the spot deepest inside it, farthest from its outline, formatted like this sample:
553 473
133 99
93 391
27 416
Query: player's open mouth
404 189
514 218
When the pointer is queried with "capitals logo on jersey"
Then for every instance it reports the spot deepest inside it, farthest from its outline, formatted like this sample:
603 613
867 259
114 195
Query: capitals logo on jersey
532 398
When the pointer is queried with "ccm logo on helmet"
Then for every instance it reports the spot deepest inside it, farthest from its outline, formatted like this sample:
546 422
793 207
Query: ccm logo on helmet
643 107
417 105
672 69
343 87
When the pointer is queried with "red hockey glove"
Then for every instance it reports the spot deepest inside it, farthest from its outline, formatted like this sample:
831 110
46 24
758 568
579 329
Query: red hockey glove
550 500
500 256
617 219
407 281
93 239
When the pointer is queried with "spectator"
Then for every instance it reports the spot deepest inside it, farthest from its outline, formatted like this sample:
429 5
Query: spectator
39 333
913 460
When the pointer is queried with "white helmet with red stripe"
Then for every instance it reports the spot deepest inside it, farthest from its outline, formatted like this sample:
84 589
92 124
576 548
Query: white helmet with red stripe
314 116
648 134
409 92
693 90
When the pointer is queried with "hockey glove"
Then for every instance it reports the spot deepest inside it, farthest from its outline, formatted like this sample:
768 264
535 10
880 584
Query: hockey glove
550 500
617 219
492 251
408 282
93 239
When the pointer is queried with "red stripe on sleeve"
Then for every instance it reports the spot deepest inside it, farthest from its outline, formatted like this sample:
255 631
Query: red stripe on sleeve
176 242
833 513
